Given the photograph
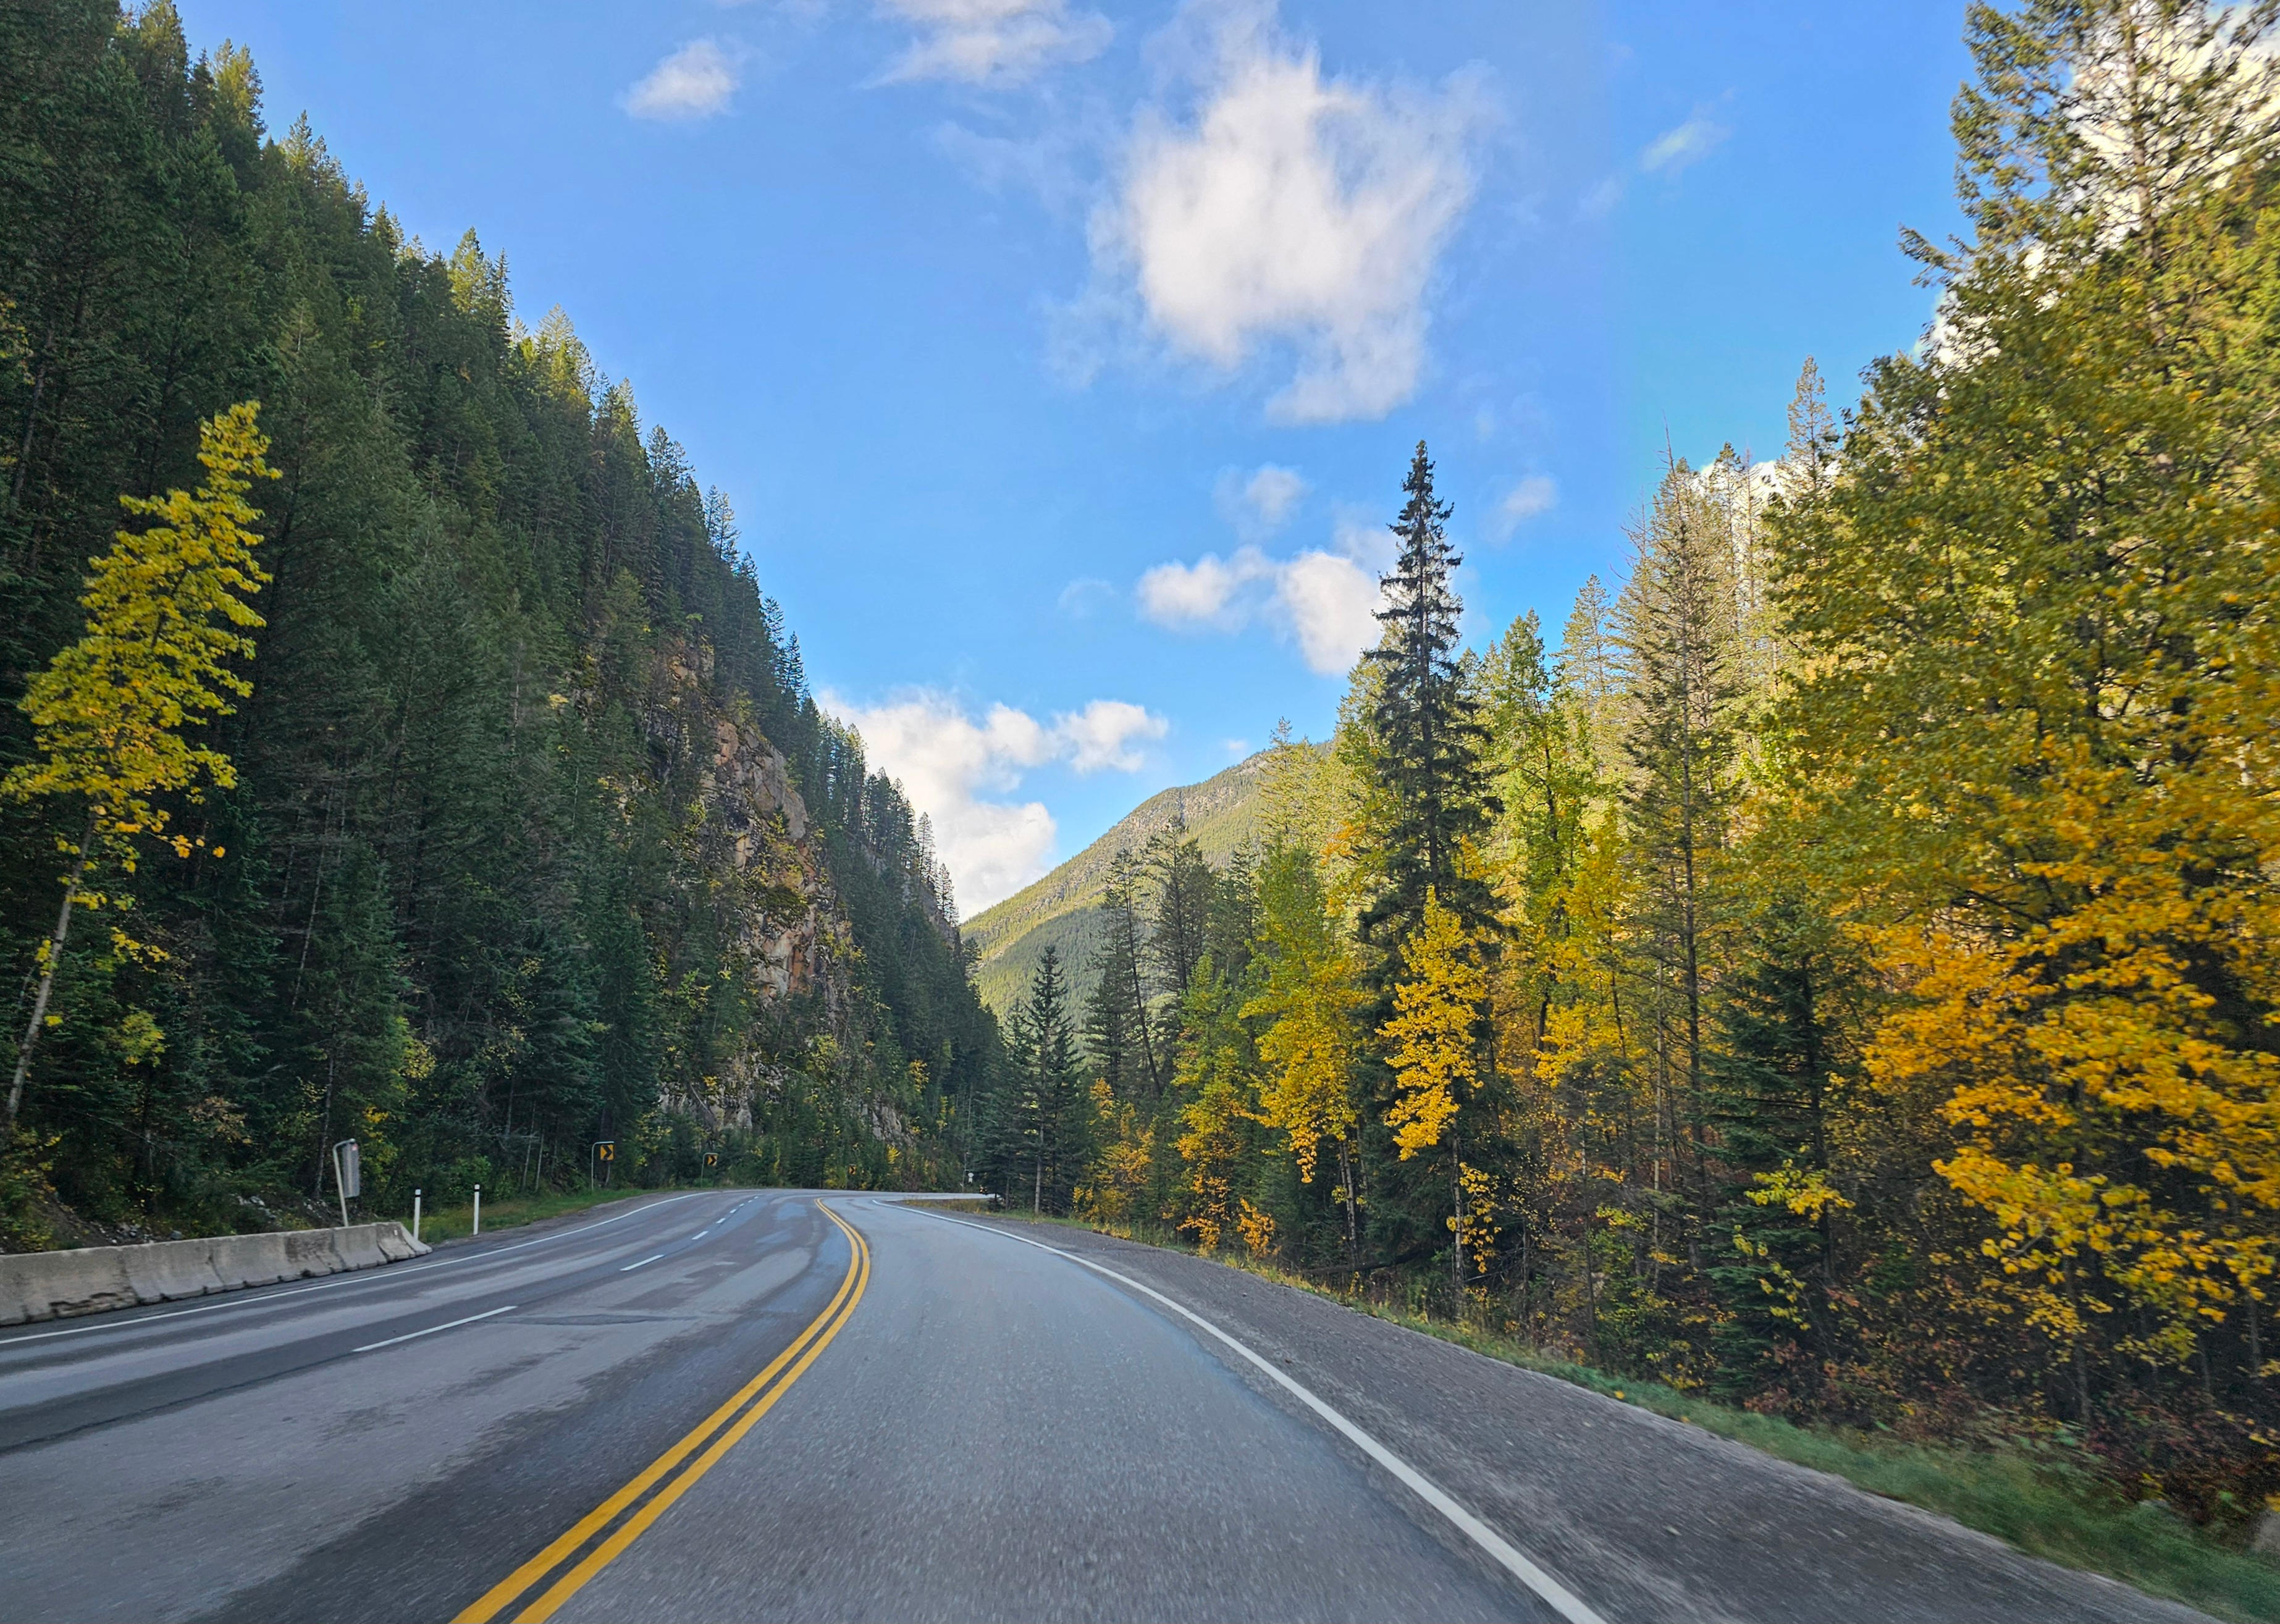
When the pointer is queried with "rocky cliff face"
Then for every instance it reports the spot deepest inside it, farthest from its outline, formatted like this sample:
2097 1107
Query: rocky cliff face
743 831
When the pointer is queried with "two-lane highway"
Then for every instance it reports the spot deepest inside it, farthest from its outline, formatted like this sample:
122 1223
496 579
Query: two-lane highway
784 1406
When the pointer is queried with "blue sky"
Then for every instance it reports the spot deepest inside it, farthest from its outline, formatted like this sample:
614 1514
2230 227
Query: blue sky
1062 359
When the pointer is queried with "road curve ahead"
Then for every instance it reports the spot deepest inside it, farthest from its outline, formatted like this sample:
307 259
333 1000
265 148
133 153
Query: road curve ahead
739 1404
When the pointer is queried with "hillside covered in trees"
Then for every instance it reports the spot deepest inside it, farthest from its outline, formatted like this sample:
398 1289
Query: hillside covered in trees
1836 971
526 831
1063 912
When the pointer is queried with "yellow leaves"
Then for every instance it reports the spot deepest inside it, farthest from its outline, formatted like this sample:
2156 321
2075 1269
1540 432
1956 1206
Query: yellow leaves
166 610
1475 1221
1436 1006
1309 1048
1256 1227
1804 1191
1121 1170
139 1039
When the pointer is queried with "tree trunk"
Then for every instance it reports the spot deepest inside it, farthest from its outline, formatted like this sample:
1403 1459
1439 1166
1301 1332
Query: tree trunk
47 976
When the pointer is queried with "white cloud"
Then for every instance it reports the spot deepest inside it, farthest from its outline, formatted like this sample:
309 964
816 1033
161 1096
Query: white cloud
1536 494
1293 209
1323 601
1673 149
949 763
694 82
1208 592
994 42
1331 603
1103 735
1262 504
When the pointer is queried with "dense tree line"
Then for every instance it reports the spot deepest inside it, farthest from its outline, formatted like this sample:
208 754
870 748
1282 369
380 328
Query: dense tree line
473 888
1840 973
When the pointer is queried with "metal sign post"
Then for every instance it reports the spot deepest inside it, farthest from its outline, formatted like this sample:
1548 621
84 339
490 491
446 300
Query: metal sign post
606 1157
348 1174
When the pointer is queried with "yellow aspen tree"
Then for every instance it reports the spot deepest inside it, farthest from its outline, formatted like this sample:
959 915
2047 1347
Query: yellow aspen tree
1310 1003
1437 1007
166 611
1309 1053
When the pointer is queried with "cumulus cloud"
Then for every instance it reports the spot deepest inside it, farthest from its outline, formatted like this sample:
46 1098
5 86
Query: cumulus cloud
1324 601
994 42
1261 503
1103 735
1207 593
1536 494
955 767
1293 209
694 82
1332 604
1675 149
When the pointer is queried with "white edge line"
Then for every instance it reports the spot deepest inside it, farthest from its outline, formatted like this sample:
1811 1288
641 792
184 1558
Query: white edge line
431 1330
630 1267
1557 1596
362 1277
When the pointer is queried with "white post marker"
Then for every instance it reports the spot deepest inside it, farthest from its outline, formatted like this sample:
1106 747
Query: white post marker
415 1214
479 1212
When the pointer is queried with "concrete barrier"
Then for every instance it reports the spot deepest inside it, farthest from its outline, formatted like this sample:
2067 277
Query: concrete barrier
54 1285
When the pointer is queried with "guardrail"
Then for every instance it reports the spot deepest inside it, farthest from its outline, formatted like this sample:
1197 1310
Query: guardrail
90 1280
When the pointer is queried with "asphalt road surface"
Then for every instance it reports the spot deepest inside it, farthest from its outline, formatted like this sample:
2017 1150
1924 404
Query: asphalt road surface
740 1405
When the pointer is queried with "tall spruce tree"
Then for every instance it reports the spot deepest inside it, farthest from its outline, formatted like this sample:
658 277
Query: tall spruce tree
1047 1120
1179 925
1429 737
1117 1025
1677 625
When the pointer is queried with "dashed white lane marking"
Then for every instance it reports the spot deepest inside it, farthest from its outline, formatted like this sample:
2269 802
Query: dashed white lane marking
1514 1561
431 1330
630 1267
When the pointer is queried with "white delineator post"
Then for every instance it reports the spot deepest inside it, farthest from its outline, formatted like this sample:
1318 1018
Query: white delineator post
479 1212
415 1214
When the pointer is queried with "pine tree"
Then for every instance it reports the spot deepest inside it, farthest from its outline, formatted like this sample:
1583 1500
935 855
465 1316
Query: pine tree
1678 637
1182 886
1781 1054
1118 1024
1428 735
1050 1098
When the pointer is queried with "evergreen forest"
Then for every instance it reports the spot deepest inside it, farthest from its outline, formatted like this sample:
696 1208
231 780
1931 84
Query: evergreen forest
1833 971
512 825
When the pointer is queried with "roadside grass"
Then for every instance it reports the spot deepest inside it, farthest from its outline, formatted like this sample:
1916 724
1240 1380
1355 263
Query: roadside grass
442 1224
2028 1493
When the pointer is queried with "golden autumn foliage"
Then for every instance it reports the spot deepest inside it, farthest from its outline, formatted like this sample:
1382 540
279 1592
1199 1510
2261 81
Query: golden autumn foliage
1310 1005
166 612
1432 1046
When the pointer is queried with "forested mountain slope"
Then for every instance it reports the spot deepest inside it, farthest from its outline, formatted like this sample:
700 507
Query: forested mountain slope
1063 909
537 835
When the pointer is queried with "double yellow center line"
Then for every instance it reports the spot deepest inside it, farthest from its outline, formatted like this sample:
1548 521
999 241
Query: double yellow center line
603 1533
